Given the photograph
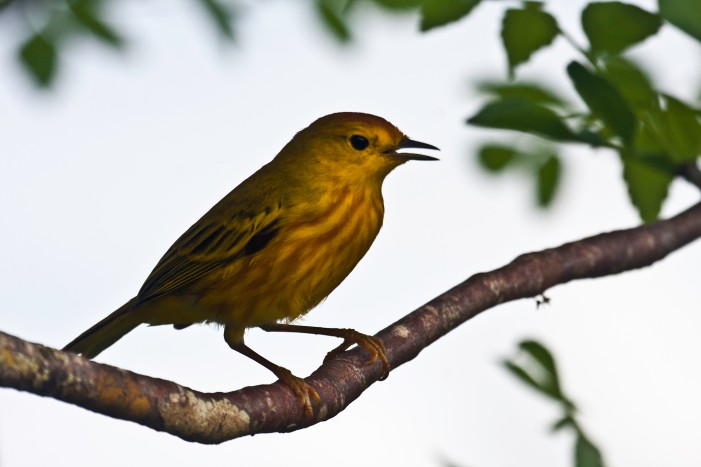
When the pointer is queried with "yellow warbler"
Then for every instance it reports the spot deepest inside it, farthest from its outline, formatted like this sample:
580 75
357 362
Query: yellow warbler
276 246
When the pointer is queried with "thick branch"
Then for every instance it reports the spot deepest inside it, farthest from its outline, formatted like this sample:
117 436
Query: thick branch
217 417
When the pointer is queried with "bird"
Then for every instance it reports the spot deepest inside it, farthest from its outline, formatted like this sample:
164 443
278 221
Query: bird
276 246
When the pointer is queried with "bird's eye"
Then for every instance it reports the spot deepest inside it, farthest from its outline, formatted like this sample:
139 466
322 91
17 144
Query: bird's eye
359 142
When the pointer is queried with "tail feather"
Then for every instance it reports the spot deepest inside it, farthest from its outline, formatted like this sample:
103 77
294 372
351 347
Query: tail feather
105 333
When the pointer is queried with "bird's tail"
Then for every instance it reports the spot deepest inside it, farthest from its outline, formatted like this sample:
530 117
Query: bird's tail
105 333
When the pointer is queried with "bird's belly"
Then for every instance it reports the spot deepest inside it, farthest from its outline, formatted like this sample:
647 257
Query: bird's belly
303 264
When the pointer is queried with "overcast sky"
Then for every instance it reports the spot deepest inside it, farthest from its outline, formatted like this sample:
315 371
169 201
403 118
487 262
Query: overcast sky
100 175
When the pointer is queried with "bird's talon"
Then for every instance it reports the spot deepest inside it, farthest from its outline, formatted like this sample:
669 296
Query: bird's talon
372 345
304 392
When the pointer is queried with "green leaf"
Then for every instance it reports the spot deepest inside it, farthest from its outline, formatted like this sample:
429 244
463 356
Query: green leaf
522 115
540 354
399 4
535 378
632 82
604 101
649 150
684 14
543 365
436 13
527 91
537 370
647 187
548 180
521 374
524 31
676 129
86 15
564 422
39 57
332 18
612 27
592 139
221 16
586 454
494 157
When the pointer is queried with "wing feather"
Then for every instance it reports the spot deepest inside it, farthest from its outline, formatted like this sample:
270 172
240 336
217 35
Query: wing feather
211 243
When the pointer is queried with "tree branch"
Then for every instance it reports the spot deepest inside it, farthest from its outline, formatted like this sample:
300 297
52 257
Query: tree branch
217 417
691 173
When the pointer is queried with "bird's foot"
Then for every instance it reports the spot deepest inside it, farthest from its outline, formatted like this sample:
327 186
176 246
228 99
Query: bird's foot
304 392
372 344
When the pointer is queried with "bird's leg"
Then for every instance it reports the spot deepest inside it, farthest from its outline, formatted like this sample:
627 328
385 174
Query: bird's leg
305 393
350 336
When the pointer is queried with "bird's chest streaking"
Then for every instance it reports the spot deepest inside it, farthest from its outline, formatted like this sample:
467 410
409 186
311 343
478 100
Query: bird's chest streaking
312 248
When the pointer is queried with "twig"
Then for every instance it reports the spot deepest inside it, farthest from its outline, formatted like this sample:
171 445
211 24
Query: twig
691 173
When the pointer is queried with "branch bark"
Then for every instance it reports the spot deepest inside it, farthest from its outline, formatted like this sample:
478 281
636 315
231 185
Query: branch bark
216 417
691 173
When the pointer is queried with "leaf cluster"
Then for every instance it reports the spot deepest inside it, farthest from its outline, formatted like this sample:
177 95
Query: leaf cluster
656 136
334 14
535 367
52 25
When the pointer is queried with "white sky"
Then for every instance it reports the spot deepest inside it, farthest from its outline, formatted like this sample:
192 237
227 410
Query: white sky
100 175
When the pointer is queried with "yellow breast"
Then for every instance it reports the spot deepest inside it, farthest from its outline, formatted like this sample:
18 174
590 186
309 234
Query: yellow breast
310 256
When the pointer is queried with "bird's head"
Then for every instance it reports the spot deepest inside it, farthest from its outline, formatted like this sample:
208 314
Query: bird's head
354 145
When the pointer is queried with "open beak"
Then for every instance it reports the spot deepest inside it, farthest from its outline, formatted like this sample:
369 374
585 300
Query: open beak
407 143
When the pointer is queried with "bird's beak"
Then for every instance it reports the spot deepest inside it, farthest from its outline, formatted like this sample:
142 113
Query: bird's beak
407 143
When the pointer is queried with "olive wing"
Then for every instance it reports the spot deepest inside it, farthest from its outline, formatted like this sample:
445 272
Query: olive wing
209 244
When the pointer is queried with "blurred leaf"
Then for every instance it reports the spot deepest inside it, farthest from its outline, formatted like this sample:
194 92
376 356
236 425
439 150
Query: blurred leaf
221 16
449 463
647 187
436 13
540 354
613 26
522 115
541 367
684 14
536 371
521 374
86 15
565 421
676 129
524 31
646 142
494 158
399 4
331 16
530 92
632 82
586 454
649 149
537 351
538 161
604 101
592 139
539 372
39 57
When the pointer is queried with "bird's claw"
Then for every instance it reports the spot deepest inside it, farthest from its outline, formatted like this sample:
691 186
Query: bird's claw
372 344
304 392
